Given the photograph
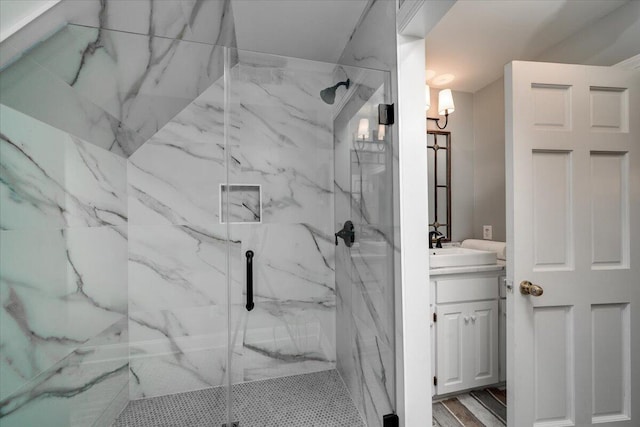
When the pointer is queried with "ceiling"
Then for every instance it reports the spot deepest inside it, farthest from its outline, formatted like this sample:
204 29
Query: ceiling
310 29
476 38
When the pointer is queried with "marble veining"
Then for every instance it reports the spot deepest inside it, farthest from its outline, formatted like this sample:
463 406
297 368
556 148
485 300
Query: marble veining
50 179
130 83
72 280
76 390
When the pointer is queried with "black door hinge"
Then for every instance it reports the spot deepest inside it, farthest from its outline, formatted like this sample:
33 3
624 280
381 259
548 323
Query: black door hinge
390 420
386 114
435 380
435 317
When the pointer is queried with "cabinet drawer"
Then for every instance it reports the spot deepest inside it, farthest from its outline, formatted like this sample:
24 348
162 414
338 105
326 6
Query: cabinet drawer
471 289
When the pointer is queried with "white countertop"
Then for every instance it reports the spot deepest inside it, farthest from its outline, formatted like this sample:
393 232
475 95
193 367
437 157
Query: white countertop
467 269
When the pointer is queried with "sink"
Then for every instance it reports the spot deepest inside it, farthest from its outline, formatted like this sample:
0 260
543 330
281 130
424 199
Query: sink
459 257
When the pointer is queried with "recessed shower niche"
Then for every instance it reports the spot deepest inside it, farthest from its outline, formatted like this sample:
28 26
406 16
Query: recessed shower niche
241 202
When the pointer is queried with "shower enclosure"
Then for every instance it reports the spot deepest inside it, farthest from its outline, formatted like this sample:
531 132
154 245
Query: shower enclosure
167 220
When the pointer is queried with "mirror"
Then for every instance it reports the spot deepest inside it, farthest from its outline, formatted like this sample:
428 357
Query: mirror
439 173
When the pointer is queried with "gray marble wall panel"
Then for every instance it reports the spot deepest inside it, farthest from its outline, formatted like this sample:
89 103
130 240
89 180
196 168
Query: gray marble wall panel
76 391
177 254
205 21
51 179
373 41
37 92
60 289
291 329
63 273
175 177
139 82
281 139
118 88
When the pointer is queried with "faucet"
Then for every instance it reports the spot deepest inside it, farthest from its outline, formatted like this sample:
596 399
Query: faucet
438 237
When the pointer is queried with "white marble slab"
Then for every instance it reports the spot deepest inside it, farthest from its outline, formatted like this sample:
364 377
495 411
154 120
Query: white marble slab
51 179
58 291
175 177
21 87
72 393
207 22
177 350
129 84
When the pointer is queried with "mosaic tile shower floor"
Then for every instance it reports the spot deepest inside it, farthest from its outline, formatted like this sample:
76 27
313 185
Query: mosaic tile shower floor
319 399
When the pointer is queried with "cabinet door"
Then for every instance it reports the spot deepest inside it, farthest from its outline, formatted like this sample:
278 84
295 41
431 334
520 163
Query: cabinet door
467 345
482 337
451 356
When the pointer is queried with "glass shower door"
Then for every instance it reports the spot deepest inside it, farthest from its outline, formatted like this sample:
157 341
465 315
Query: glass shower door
365 271
287 365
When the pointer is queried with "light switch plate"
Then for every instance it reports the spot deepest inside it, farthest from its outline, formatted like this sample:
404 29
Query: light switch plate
487 232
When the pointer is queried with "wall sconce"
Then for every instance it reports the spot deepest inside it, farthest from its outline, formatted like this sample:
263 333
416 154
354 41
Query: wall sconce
445 107
366 136
363 129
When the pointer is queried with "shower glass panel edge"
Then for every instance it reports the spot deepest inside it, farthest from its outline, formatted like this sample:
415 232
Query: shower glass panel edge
224 213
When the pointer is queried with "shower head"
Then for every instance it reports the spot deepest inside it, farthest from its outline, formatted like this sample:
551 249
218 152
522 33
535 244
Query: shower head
328 95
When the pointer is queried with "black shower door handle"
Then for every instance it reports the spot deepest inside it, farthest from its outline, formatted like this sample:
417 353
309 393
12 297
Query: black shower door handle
249 255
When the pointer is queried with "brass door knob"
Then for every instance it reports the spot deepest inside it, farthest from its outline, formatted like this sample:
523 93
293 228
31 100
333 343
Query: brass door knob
528 288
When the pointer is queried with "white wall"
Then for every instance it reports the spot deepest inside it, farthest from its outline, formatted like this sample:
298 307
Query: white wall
462 161
414 337
608 41
488 169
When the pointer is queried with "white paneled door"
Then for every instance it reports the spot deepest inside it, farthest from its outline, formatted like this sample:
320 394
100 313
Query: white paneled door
573 229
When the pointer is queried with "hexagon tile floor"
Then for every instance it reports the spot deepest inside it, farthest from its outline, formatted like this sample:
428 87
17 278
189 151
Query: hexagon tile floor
319 399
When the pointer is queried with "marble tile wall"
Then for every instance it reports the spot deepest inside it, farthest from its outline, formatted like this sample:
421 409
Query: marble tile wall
280 139
119 88
63 274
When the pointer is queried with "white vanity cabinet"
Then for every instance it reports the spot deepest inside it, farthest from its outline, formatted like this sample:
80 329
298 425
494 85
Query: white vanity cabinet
465 326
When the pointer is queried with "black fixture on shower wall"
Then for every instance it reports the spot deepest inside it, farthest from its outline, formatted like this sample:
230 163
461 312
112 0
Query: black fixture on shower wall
347 234
328 95
250 305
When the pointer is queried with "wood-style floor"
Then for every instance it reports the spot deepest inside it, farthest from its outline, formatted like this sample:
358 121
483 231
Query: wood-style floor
479 408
